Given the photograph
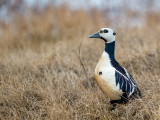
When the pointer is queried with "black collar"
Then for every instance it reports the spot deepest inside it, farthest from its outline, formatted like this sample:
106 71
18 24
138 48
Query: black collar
109 48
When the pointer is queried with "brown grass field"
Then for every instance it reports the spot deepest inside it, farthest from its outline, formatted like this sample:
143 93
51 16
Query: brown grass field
41 76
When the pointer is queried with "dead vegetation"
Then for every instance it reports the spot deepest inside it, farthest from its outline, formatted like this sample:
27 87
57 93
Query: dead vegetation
41 76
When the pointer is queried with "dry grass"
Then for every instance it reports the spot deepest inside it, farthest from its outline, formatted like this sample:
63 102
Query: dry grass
41 76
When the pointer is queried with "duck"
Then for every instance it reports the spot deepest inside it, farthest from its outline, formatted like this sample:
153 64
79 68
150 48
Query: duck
113 79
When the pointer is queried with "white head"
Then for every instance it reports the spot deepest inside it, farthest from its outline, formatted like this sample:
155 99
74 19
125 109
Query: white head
107 34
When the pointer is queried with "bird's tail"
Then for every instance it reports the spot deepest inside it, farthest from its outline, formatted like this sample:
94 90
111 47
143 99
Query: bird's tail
140 93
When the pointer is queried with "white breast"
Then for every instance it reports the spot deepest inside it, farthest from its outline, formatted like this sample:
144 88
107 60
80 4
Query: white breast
106 80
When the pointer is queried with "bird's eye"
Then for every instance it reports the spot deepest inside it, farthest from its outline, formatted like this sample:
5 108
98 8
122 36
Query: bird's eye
100 31
105 31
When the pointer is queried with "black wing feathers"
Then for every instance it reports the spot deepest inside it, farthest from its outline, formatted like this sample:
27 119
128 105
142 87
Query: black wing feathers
116 65
131 78
125 79
125 85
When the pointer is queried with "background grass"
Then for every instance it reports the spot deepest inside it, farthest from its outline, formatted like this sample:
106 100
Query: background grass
41 76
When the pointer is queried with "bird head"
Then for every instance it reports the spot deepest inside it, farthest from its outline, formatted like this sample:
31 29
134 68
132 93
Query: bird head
107 34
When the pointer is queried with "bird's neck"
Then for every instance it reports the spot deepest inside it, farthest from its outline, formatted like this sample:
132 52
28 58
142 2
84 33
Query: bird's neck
109 49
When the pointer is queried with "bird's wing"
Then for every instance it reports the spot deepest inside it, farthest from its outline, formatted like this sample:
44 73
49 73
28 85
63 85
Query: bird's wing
127 78
124 83
133 82
130 77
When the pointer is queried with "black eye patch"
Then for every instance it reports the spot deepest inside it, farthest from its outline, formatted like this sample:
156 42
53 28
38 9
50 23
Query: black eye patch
105 31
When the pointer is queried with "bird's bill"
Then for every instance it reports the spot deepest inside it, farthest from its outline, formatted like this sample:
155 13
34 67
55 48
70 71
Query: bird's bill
96 35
